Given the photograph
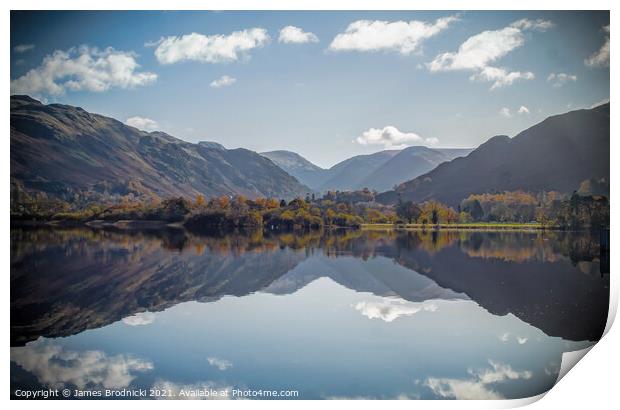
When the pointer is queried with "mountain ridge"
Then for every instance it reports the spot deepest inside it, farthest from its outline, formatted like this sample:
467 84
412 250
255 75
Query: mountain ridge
558 154
65 151
378 171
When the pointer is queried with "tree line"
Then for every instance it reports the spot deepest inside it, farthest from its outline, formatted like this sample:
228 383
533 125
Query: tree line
334 208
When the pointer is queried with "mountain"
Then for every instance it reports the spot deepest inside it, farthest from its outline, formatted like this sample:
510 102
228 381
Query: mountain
557 154
97 286
408 164
299 167
64 151
549 294
350 173
379 171
79 279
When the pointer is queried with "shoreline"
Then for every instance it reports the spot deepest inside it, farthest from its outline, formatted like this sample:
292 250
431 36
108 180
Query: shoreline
129 224
124 224
480 226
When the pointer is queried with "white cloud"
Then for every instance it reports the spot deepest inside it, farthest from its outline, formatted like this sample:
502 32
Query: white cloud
480 51
223 81
506 336
213 49
552 369
149 44
142 318
601 57
82 69
295 35
500 77
477 387
398 36
538 24
221 364
22 48
461 389
498 373
145 124
55 367
559 79
389 310
392 137
523 110
603 101
207 390
505 111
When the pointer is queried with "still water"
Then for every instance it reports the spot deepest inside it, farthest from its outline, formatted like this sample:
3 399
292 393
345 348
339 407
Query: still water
417 315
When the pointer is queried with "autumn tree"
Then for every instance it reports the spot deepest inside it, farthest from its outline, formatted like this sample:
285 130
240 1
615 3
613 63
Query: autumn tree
272 203
330 214
240 200
223 201
409 211
200 201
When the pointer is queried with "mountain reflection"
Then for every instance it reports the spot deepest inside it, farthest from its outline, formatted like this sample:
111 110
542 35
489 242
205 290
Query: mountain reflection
65 281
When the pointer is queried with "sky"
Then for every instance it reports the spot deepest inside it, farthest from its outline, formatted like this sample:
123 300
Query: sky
327 85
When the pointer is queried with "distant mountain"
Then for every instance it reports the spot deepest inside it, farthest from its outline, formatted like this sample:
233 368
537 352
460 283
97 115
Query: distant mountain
305 171
379 171
408 164
64 151
557 154
350 173
379 276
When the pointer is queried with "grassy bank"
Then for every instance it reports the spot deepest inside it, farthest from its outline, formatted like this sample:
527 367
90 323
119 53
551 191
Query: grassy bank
489 226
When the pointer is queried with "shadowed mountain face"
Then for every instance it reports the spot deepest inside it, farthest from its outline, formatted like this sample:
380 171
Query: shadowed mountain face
63 151
556 154
547 290
66 281
113 275
379 171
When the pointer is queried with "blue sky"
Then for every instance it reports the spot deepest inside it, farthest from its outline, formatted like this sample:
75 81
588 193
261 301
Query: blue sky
336 84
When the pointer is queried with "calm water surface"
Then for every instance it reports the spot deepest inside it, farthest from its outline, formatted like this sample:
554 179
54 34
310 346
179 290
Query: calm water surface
341 315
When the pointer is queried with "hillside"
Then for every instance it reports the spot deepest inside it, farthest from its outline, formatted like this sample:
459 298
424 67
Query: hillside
408 164
379 171
305 171
66 152
350 173
557 154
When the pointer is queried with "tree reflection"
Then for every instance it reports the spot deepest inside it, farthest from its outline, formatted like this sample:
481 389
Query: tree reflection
64 281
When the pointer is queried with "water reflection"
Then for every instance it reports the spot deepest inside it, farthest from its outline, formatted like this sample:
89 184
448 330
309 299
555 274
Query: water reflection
341 314
56 367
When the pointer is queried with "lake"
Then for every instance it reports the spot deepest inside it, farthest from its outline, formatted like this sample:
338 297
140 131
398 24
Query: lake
318 315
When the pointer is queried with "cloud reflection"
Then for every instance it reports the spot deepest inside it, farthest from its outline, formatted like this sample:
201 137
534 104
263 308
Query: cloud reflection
504 337
478 387
56 367
389 310
140 319
221 364
207 390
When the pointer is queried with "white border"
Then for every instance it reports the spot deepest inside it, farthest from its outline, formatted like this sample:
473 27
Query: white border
592 384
